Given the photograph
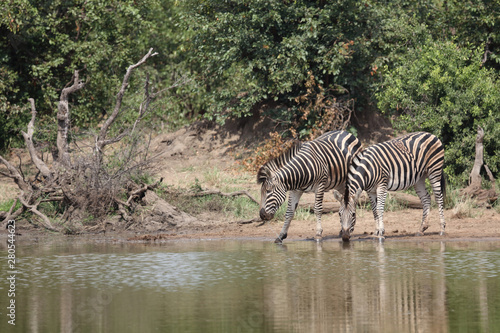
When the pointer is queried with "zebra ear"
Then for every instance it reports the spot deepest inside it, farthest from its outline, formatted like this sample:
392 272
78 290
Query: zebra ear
263 174
338 196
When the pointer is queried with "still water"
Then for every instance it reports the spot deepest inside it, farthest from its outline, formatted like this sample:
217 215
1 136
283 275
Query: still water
74 285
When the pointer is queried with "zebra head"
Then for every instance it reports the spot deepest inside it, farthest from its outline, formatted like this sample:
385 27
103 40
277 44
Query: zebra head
347 212
273 193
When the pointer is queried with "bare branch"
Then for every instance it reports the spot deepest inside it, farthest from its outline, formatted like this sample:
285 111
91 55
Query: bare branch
28 139
52 199
255 219
218 192
63 118
148 98
15 175
34 209
141 190
101 139
9 216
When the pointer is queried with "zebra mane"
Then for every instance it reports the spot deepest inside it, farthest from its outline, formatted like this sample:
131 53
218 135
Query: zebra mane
277 163
283 159
352 165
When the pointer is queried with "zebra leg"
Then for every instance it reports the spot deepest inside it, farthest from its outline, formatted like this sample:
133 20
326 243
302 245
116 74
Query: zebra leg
425 198
381 196
438 185
293 201
318 210
373 201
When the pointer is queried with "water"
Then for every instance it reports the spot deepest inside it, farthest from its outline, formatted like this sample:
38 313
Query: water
75 285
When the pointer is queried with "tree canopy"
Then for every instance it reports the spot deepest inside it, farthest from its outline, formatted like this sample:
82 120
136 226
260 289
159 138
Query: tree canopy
430 65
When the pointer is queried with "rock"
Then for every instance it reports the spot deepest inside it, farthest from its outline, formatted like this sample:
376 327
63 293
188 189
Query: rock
163 215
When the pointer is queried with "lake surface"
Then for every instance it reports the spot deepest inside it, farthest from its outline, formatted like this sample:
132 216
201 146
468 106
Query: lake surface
77 285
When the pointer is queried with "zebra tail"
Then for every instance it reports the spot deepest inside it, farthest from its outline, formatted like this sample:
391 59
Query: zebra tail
442 183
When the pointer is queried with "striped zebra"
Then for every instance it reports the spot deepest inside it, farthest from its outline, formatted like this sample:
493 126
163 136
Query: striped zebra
315 166
392 166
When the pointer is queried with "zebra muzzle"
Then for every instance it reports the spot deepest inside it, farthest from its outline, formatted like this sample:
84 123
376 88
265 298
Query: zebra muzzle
264 215
346 235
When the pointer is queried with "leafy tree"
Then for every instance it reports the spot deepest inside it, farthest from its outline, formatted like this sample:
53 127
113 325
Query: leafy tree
257 50
444 89
472 22
44 41
250 51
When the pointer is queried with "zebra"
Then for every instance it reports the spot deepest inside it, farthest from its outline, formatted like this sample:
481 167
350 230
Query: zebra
315 166
392 166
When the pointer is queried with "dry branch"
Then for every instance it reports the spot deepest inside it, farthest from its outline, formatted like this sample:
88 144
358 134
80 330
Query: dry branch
63 118
15 175
218 192
137 192
34 209
28 139
101 140
85 184
6 216
11 216
256 219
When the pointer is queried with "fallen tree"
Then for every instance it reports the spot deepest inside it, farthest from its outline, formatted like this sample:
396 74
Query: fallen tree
84 182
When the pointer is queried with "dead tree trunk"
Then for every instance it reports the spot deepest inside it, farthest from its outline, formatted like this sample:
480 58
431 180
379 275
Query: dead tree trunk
63 119
475 177
475 180
64 180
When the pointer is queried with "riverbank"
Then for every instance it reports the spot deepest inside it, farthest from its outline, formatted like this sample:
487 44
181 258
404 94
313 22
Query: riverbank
198 158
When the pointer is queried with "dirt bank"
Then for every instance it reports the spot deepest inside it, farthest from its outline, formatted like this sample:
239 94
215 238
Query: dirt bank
208 156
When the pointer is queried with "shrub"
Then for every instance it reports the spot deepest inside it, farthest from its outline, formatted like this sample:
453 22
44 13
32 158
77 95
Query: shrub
443 89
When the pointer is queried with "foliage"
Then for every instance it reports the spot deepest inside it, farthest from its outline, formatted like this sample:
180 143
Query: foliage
256 50
269 149
320 111
43 42
443 88
304 55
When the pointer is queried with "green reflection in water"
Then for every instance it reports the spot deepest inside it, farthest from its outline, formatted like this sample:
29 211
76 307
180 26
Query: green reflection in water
75 285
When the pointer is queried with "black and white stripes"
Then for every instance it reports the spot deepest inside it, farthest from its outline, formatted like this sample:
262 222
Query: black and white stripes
392 166
315 166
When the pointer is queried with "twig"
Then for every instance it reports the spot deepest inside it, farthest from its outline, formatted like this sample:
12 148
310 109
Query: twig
34 209
218 192
52 199
101 138
7 216
256 219
490 174
15 175
141 190
12 216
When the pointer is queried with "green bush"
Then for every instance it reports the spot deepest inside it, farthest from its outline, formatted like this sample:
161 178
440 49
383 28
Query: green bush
443 88
43 42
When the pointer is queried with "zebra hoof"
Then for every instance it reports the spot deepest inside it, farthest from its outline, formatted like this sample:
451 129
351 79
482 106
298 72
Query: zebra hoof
318 238
419 233
441 233
278 241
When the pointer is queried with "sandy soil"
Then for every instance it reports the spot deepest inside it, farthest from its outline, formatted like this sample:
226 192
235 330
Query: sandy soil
189 152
